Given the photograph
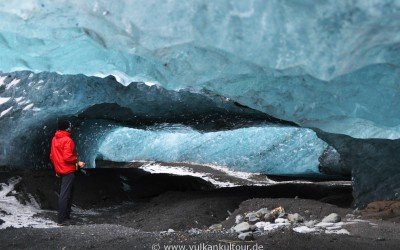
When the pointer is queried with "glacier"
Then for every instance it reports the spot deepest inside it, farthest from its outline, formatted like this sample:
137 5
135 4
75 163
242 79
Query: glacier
261 149
322 46
33 102
136 122
328 70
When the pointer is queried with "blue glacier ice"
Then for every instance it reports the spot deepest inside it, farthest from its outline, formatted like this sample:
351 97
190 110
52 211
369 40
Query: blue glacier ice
310 44
263 149
31 103
362 104
326 38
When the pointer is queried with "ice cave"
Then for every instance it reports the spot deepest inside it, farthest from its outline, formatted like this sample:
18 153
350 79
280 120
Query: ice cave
290 88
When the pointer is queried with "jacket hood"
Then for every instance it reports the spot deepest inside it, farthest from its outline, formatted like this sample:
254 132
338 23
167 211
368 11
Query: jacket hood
62 133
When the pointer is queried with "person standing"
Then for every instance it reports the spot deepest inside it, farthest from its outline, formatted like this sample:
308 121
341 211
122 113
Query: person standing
65 161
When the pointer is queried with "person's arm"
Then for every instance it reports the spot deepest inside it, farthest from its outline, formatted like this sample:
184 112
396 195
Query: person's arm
69 154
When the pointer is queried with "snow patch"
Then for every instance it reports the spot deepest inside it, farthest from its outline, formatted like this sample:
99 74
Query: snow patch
2 78
182 171
268 226
14 214
4 100
123 78
328 228
152 84
19 99
28 106
238 174
305 229
341 231
13 83
4 112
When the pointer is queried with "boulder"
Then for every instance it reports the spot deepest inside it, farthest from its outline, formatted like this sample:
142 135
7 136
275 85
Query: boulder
332 218
271 216
262 212
261 225
278 210
381 210
246 236
282 221
295 218
283 215
252 217
242 227
238 219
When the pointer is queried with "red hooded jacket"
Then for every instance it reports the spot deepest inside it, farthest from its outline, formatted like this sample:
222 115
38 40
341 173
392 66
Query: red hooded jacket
62 153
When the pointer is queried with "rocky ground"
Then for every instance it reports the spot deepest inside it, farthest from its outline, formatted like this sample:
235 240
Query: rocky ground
163 211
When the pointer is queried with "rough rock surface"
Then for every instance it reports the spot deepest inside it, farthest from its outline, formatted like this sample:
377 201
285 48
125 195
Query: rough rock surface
242 227
332 218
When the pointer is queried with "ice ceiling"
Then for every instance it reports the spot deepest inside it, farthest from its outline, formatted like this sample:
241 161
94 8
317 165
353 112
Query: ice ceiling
317 77
295 51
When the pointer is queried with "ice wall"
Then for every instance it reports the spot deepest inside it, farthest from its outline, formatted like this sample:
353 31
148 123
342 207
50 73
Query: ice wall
31 103
262 149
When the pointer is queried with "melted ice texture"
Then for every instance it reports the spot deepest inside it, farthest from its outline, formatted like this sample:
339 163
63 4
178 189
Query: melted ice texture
266 149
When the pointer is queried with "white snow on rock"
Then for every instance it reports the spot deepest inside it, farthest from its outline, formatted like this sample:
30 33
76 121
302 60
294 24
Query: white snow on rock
4 100
268 226
12 83
332 218
4 112
125 79
324 225
261 180
340 231
16 214
158 169
282 221
2 78
328 228
19 99
29 106
305 229
238 174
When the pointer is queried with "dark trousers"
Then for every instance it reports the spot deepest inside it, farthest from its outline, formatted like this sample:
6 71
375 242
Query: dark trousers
65 198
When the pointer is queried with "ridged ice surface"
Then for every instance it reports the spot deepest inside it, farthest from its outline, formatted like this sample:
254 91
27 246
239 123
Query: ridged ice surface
326 38
332 65
264 149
